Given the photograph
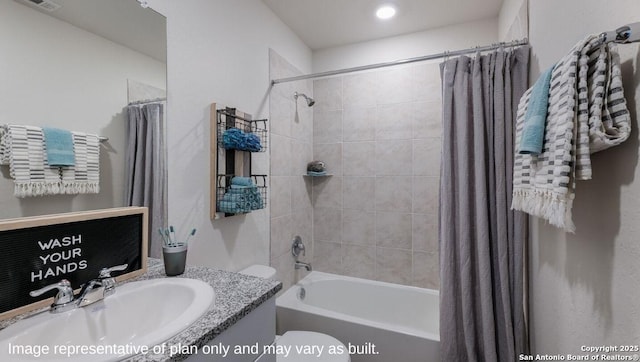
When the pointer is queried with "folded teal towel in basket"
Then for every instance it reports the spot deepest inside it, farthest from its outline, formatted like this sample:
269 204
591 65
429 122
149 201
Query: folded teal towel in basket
536 116
241 197
242 181
59 146
231 207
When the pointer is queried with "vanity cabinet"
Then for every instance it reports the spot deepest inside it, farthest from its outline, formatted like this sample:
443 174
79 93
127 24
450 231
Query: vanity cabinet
258 328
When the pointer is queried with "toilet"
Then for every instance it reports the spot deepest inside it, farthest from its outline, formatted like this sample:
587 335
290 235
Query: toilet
299 338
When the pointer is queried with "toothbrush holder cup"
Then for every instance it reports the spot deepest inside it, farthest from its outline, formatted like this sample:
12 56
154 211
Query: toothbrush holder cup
175 258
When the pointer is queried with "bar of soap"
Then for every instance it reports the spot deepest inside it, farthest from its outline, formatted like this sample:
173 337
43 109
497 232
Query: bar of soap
316 166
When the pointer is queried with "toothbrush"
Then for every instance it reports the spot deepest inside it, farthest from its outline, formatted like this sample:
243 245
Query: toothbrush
166 243
193 232
166 232
173 232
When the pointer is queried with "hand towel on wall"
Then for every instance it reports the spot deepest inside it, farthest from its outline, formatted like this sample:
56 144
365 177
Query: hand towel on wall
59 146
84 176
23 149
536 116
587 113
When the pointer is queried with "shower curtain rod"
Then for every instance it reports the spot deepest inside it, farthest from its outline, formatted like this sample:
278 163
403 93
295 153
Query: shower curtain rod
155 100
514 43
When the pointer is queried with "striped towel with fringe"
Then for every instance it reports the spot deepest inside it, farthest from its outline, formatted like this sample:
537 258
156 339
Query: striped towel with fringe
587 113
22 148
84 176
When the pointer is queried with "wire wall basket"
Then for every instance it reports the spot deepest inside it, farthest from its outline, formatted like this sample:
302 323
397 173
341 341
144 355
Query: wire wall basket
257 203
228 120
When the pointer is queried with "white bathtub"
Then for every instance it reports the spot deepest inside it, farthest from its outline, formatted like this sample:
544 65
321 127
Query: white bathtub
402 322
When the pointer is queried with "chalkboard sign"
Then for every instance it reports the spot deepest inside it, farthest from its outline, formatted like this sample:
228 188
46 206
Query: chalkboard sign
43 250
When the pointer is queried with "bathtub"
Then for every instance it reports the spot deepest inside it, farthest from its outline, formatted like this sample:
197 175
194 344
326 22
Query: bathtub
401 322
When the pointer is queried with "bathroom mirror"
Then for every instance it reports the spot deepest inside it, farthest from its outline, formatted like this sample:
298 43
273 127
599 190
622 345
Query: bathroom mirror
75 65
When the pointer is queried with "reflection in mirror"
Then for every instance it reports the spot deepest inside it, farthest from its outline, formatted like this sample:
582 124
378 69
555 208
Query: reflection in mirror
77 68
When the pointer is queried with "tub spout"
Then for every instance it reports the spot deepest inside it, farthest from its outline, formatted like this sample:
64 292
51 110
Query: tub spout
301 264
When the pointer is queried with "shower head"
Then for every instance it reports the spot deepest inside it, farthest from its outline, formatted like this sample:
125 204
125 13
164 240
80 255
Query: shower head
310 101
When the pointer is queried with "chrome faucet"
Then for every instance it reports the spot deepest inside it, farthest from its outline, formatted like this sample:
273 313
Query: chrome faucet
91 292
302 264
63 301
99 288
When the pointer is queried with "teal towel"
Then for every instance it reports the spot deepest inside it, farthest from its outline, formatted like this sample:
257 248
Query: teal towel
536 116
59 145
232 207
242 181
316 173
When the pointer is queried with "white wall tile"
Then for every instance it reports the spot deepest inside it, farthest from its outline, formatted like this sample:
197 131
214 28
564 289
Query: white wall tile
359 261
327 257
301 154
359 193
425 232
393 265
393 193
425 195
327 93
327 127
426 270
396 85
358 158
302 225
359 90
331 155
327 224
281 235
327 192
359 227
395 121
428 83
300 193
427 121
280 155
394 158
280 196
359 124
426 157
281 114
393 230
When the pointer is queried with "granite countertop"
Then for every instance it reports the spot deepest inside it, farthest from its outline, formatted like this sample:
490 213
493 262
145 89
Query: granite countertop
236 295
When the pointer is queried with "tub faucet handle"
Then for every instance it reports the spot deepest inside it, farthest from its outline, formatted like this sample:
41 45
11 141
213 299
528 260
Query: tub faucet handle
297 247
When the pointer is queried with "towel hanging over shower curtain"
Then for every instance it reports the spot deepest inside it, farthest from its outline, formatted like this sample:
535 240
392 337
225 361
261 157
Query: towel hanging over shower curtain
481 239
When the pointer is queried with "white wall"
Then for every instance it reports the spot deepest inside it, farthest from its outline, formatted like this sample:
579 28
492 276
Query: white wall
584 287
513 21
54 74
218 52
455 37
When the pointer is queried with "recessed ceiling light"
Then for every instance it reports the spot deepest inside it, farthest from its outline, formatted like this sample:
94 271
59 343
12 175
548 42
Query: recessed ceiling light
385 12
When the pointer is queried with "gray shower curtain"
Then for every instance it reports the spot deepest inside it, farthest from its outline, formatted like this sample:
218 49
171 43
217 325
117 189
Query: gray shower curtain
481 239
145 167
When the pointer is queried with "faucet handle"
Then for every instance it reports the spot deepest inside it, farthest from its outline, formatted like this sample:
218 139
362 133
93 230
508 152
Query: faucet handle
106 272
297 247
65 292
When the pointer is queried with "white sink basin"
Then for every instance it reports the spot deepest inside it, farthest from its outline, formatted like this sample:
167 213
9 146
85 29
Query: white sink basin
144 313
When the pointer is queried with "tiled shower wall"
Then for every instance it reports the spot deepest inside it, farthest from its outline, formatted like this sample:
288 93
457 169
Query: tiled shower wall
379 134
291 127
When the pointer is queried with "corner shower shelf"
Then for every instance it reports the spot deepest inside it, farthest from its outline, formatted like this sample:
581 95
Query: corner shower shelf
327 175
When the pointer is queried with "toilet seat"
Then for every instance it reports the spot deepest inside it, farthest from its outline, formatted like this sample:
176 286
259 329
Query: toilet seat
300 338
305 338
